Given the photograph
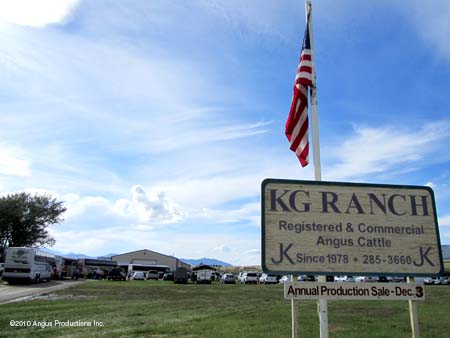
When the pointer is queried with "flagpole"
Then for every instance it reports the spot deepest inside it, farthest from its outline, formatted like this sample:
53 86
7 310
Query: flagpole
322 304
313 97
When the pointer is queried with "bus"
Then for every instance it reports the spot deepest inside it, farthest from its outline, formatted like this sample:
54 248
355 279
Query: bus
95 268
65 267
28 264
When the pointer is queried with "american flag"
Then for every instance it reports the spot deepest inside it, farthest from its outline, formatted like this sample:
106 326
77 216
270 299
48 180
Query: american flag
297 122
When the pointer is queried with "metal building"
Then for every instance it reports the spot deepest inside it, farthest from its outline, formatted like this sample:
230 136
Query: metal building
149 257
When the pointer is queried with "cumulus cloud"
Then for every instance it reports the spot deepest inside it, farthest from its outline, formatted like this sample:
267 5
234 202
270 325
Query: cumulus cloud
149 208
79 205
36 13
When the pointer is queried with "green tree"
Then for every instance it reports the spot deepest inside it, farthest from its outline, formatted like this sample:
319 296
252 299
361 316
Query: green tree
24 219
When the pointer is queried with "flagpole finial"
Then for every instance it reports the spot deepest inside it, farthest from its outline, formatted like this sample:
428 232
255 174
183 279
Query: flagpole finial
308 7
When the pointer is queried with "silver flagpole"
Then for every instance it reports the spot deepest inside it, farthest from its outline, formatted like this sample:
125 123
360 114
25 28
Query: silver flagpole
322 304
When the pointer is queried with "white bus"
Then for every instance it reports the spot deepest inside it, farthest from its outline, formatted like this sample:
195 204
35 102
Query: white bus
28 264
95 268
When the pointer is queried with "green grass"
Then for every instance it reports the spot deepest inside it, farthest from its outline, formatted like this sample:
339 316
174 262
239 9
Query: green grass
163 309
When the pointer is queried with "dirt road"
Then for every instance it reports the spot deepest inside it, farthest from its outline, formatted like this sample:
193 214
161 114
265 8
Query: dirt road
14 293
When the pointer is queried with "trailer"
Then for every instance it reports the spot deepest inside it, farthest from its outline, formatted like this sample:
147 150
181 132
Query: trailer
203 274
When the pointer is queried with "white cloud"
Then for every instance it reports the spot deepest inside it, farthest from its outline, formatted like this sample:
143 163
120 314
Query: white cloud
36 13
222 249
14 161
149 208
376 150
245 213
432 22
444 221
198 135
79 205
255 252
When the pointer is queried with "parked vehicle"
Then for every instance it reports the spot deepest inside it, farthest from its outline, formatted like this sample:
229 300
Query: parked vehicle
153 274
440 280
138 275
446 281
95 268
429 281
65 267
168 276
239 276
28 264
284 279
306 278
203 274
180 275
268 279
366 279
161 269
249 278
228 278
117 274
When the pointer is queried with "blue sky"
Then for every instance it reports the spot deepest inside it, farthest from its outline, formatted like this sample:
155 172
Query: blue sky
156 122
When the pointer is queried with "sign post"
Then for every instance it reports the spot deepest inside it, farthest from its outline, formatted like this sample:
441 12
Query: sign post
294 313
413 314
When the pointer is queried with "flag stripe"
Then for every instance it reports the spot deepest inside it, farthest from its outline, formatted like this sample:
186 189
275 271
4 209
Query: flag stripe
297 122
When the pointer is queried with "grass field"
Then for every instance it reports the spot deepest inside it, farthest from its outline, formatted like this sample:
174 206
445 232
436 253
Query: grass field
163 309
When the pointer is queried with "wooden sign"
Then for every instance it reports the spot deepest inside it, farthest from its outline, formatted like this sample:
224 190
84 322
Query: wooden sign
314 227
356 291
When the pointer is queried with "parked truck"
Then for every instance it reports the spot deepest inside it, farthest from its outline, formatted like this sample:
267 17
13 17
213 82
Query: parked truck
180 275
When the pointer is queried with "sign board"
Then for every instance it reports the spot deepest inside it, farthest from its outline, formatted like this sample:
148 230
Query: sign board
316 227
355 291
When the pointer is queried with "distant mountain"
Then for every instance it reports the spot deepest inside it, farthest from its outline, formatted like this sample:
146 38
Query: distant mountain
446 252
108 255
68 255
76 255
54 252
207 261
